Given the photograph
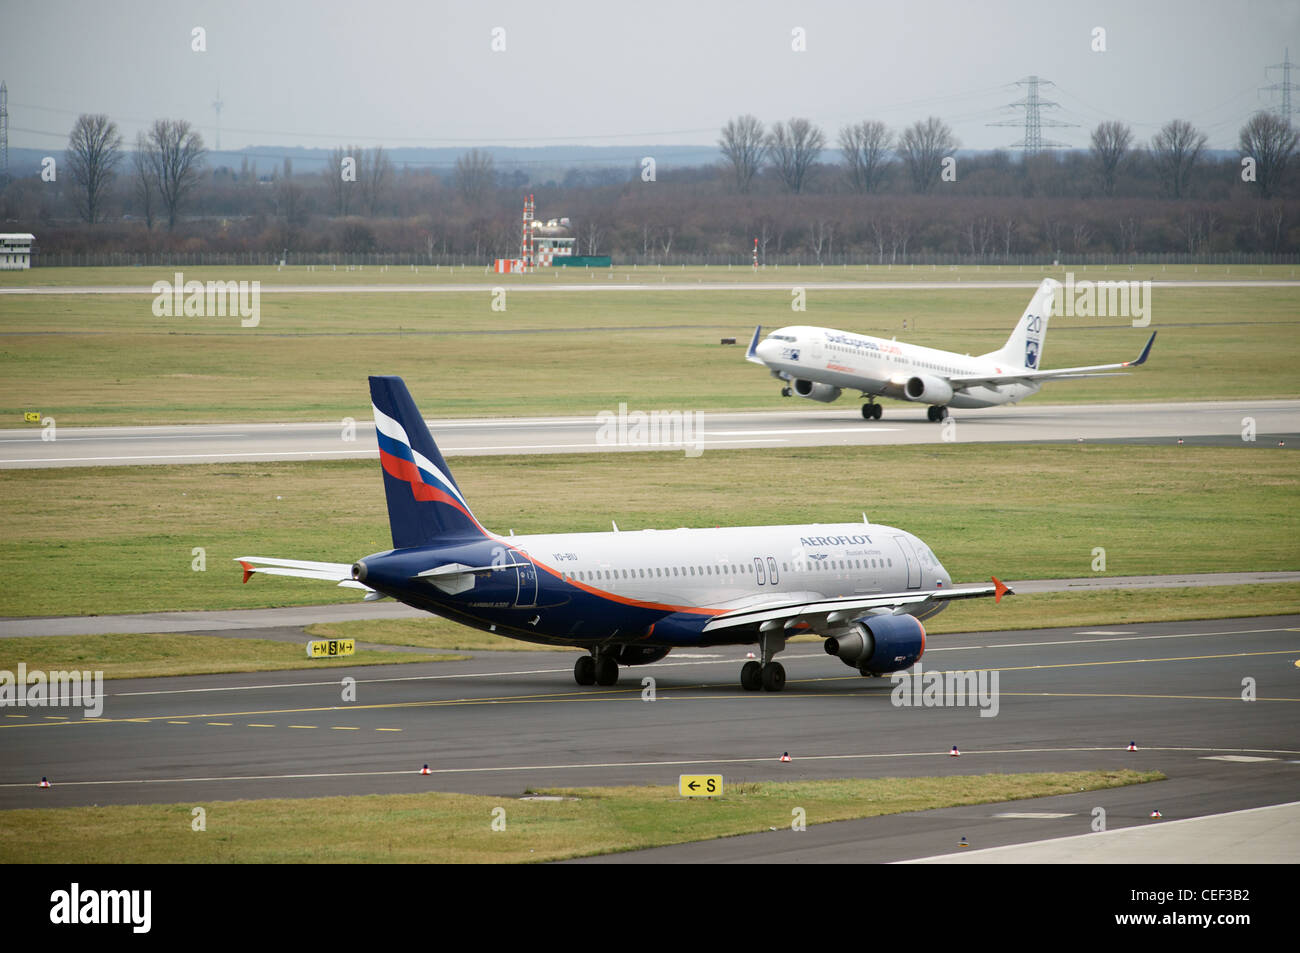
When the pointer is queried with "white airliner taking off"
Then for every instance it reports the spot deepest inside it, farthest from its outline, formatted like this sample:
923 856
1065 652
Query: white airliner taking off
820 363
631 598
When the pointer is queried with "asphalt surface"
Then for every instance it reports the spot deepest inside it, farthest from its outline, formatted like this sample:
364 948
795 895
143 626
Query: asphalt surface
1202 422
1068 699
241 621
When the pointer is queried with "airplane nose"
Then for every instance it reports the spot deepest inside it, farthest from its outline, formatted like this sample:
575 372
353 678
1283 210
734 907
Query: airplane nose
768 350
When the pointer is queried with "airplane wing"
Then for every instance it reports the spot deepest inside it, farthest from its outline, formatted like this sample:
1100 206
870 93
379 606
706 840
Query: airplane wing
340 573
817 615
1064 373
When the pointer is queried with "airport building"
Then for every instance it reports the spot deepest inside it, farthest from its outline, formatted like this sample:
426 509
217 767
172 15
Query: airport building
16 250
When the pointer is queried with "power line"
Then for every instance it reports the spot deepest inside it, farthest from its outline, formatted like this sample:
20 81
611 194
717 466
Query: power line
1033 141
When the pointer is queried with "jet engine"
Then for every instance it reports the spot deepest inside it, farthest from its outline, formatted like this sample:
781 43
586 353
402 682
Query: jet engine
879 643
821 392
927 389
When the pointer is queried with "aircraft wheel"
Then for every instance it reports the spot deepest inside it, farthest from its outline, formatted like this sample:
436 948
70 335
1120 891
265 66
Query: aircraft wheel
606 671
773 676
877 411
940 413
929 413
751 676
785 392
584 670
868 412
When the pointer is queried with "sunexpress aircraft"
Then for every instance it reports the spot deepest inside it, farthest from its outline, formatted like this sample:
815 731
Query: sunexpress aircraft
631 598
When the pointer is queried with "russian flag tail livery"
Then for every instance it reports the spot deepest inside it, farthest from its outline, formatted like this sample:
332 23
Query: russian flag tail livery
424 502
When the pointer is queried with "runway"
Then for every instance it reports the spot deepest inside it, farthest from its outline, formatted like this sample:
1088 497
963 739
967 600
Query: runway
1197 423
1067 699
600 281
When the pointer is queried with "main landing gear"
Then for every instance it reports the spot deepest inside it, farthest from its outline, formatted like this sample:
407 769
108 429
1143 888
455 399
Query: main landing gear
595 670
766 675
871 410
937 414
786 392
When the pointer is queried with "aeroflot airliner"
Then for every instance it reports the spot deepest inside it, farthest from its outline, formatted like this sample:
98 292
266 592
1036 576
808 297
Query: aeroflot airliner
820 363
631 598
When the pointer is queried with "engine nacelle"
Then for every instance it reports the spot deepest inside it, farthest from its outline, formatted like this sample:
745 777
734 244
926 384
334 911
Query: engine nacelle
640 654
813 391
880 643
927 389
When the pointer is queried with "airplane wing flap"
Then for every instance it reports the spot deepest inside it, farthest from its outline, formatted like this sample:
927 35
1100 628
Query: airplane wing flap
826 611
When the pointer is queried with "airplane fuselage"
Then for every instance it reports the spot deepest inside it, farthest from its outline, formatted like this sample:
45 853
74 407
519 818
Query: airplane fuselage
649 587
838 359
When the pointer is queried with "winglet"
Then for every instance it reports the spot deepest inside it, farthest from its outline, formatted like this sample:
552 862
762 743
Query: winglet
752 354
248 570
1001 589
1145 351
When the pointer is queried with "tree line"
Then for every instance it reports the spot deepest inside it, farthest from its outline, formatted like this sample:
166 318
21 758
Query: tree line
892 194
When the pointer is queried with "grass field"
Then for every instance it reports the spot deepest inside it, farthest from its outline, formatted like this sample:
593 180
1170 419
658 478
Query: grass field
89 541
149 655
741 274
457 828
100 360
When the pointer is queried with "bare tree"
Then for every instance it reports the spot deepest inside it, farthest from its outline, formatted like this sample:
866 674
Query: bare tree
1175 149
374 174
174 152
475 175
143 184
792 148
866 146
745 146
1110 144
923 146
341 190
1270 141
94 150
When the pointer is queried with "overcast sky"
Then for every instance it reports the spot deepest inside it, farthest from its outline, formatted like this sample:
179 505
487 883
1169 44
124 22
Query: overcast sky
608 73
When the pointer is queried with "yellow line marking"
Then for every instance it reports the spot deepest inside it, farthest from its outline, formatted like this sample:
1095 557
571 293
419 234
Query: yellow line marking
24 716
302 726
634 693
259 726
388 729
222 724
178 722
340 728
57 717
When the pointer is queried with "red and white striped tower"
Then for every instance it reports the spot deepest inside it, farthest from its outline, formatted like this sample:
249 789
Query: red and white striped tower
526 244
756 254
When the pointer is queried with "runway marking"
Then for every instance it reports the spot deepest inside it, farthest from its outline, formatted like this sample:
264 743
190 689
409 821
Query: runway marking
221 724
1033 815
663 665
1235 757
302 726
178 722
259 726
633 693
505 769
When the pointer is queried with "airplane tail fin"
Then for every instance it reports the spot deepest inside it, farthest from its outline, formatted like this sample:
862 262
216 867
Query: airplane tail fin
424 502
1025 346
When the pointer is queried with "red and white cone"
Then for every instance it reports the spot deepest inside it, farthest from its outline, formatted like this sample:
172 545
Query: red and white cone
1132 746
425 770
45 782
1156 813
749 655
954 753
785 756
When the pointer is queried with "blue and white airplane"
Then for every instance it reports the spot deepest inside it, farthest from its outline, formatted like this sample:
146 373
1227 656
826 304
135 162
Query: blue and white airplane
631 598
821 363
